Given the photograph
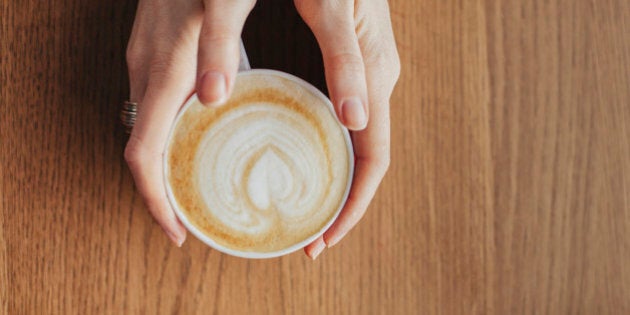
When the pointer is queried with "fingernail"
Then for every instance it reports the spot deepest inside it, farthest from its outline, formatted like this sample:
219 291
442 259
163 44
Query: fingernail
353 114
212 89
177 240
319 248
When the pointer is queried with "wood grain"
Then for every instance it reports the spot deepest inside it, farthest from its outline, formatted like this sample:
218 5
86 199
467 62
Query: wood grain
509 191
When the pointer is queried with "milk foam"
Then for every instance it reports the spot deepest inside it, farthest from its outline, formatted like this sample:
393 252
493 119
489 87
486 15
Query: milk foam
264 171
273 165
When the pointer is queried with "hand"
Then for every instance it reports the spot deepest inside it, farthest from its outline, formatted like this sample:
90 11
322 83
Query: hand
362 67
176 45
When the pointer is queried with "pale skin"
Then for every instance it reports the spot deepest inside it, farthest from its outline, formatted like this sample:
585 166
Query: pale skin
179 47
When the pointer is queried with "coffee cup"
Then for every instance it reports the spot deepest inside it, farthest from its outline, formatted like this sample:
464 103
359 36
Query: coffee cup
263 175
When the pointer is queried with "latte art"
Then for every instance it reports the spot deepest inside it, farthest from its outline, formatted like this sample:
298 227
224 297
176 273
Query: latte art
265 171
274 165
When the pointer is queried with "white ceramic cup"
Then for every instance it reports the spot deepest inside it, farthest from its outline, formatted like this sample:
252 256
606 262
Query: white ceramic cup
251 254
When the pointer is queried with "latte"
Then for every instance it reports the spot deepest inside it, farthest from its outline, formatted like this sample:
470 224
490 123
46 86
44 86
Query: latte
266 171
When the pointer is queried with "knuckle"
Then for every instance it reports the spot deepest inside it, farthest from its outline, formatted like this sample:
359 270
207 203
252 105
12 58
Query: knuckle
347 62
134 56
218 35
133 156
136 153
385 61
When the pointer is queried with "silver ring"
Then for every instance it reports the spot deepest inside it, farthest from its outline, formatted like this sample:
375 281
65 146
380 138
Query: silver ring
128 115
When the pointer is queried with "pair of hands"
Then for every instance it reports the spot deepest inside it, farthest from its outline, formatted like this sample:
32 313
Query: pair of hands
178 47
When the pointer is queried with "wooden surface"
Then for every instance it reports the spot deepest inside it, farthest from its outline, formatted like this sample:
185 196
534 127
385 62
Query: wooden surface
509 191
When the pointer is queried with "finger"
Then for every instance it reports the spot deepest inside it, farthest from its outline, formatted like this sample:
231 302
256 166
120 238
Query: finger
167 90
372 161
315 248
219 41
368 175
332 23
145 166
371 148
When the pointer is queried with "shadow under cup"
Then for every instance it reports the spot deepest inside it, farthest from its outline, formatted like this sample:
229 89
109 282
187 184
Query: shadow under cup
264 174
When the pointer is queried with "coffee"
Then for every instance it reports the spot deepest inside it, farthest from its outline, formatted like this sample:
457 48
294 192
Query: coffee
267 170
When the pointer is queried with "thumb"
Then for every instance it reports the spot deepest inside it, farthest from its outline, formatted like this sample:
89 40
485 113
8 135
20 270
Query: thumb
332 24
219 40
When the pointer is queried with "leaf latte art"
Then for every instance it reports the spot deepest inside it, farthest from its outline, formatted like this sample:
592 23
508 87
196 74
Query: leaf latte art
265 171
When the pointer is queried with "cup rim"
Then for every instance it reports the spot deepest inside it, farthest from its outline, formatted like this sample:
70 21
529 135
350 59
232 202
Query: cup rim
253 254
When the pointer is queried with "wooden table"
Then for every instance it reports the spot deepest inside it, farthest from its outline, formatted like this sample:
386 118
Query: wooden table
509 190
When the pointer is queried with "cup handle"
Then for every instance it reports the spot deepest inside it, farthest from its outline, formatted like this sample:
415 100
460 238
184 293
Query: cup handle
244 62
